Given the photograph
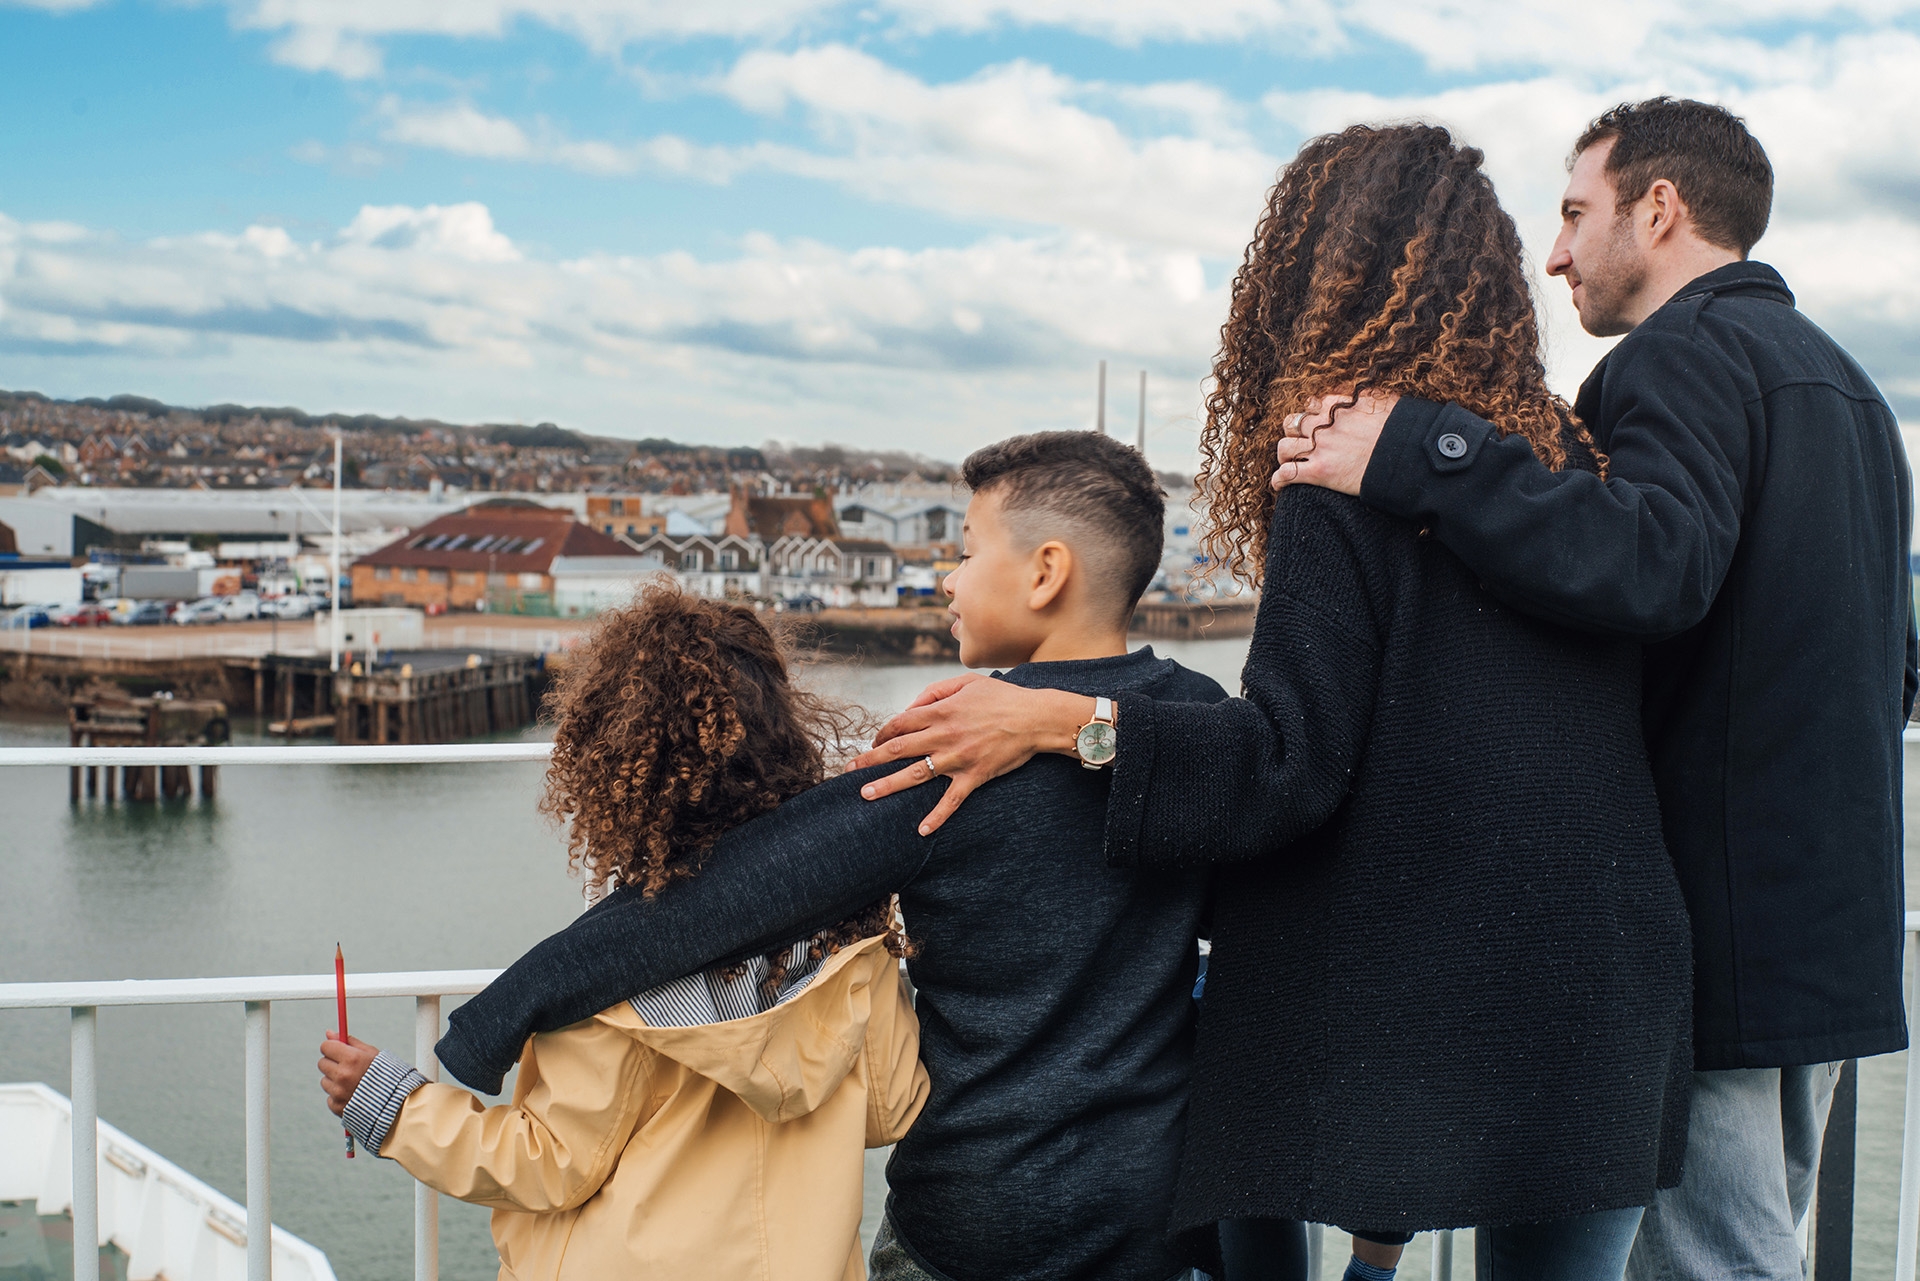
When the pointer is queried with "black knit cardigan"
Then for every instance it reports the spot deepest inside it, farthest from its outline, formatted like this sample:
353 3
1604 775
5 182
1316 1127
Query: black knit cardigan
1450 972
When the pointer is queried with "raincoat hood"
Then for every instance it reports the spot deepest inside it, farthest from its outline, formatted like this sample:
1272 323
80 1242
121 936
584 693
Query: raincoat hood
787 1061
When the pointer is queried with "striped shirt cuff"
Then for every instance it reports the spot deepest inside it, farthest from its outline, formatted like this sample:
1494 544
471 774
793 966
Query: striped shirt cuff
375 1106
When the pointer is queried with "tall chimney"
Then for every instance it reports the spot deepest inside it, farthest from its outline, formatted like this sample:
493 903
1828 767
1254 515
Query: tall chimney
1100 414
1143 413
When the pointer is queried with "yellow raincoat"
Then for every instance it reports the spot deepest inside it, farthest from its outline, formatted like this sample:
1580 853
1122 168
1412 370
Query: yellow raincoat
724 1150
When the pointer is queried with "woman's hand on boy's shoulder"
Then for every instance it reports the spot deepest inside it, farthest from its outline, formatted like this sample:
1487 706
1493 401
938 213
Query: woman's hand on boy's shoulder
970 730
342 1064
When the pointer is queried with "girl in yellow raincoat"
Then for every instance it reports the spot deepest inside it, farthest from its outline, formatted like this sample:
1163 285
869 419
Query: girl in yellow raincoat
714 1126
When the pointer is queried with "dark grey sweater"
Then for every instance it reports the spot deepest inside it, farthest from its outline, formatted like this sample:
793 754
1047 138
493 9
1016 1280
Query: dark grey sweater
1054 1006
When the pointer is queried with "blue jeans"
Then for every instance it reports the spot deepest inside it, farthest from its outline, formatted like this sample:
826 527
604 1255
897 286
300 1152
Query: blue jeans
1587 1247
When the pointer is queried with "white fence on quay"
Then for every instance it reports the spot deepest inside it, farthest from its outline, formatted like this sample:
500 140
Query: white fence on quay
258 993
163 642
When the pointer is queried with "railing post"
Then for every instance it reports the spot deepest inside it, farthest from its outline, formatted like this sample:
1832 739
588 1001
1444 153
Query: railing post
1442 1256
1910 1144
426 1202
259 1125
86 1148
1833 1201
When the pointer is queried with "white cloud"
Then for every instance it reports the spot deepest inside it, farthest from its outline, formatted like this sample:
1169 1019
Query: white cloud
1012 142
1017 143
437 307
457 127
445 279
1590 40
459 231
463 129
314 48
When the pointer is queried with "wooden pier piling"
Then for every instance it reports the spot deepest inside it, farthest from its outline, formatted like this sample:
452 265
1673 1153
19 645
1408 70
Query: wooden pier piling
434 697
113 720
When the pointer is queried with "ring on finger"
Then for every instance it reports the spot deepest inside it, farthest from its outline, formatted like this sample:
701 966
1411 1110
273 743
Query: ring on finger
931 771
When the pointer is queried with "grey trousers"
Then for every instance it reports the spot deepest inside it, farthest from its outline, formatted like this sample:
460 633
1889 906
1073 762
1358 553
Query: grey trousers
891 1260
1753 1153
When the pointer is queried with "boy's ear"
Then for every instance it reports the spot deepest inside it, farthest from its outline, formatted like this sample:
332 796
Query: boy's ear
1052 566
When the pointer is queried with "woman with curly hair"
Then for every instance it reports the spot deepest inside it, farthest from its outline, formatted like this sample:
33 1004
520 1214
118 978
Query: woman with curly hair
1449 983
713 1126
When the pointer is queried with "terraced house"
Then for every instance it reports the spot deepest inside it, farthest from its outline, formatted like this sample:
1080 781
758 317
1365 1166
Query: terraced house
496 555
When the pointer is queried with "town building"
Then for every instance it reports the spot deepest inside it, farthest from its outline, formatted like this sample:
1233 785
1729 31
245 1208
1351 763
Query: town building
923 516
622 516
586 585
771 517
496 555
841 572
719 568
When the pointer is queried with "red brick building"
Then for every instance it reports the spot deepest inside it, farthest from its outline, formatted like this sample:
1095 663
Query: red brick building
499 552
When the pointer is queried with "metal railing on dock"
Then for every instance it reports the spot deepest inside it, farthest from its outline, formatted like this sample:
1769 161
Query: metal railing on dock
257 994
82 1002
169 642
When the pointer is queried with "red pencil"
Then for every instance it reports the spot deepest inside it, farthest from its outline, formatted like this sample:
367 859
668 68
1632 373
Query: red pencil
340 997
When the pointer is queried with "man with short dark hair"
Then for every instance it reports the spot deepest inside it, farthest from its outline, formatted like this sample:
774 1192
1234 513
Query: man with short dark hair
1054 993
1753 531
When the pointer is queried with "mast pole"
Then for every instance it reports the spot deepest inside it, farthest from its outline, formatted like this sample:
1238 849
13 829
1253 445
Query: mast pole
333 589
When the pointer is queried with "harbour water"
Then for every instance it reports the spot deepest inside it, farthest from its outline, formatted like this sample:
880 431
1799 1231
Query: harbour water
414 867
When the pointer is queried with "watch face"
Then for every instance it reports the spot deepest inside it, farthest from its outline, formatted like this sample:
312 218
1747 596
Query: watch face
1097 743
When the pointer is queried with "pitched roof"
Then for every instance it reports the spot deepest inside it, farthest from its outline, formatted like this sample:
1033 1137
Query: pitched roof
502 537
771 517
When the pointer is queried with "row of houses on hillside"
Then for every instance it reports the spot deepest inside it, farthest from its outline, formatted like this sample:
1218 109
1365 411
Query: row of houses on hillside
873 546
520 556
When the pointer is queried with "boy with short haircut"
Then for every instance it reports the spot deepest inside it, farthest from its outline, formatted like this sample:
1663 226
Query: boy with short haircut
1053 992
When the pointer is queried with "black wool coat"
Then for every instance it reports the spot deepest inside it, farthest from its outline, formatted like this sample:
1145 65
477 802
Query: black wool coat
1449 976
1754 529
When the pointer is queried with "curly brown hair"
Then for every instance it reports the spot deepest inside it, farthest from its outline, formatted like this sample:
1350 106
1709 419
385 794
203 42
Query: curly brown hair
677 721
1385 263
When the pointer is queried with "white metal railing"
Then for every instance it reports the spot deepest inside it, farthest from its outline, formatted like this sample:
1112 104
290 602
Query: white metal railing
82 1002
525 640
282 754
152 644
257 994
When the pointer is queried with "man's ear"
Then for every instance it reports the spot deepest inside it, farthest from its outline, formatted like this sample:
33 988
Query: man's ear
1052 565
1662 211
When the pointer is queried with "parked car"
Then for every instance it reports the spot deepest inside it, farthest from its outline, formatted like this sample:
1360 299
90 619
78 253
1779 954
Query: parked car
143 613
27 616
239 607
803 604
292 605
85 613
205 610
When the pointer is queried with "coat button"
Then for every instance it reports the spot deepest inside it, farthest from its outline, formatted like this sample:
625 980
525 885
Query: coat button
1452 445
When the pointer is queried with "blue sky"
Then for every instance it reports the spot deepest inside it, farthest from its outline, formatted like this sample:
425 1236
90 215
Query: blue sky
911 222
